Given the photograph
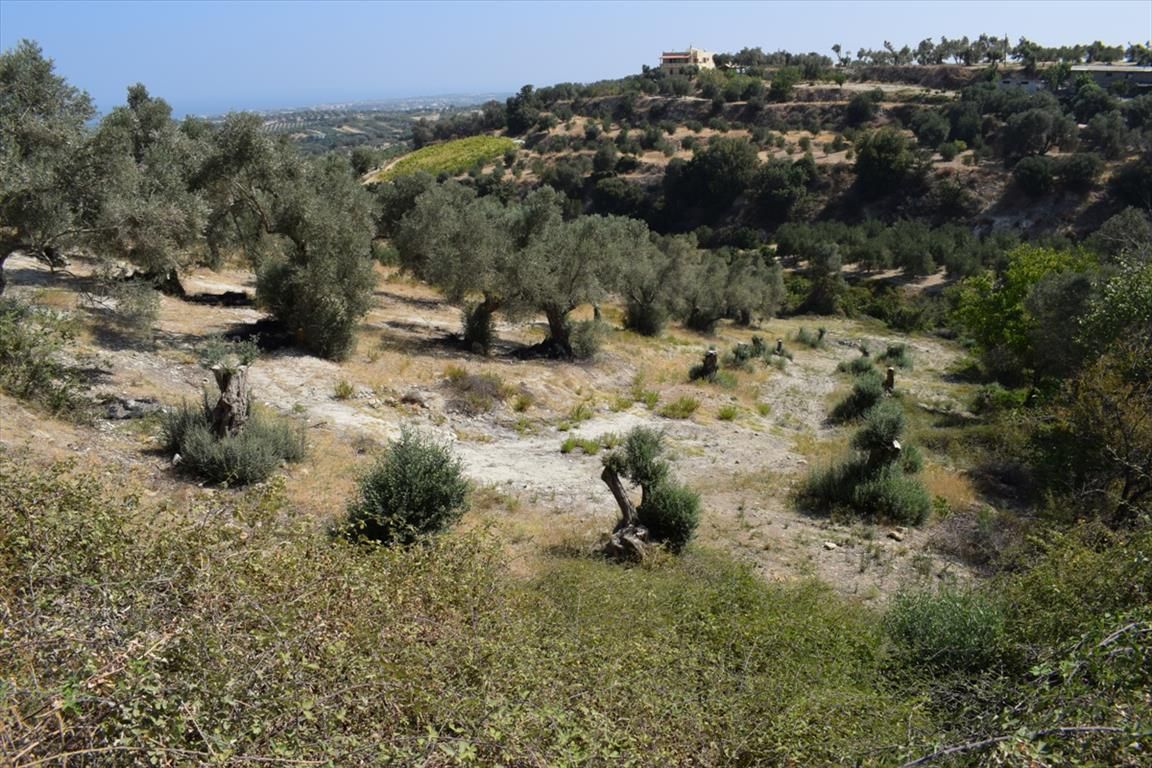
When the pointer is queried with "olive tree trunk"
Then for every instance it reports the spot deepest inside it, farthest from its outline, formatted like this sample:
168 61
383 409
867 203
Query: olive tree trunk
629 540
231 411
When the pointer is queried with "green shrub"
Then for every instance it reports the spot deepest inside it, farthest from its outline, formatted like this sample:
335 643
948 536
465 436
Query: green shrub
31 368
681 408
417 488
892 496
897 355
645 318
1077 578
830 486
1034 175
857 365
867 390
883 424
640 458
249 456
670 513
878 482
812 340
727 413
587 338
343 390
951 630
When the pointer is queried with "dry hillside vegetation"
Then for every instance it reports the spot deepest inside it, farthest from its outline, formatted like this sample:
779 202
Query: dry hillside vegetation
743 448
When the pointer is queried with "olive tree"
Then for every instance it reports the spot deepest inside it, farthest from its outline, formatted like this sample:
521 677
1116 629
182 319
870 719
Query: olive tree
141 208
885 162
305 224
41 134
653 282
468 247
569 263
320 284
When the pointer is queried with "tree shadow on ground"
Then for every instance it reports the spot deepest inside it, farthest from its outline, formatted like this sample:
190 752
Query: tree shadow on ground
411 301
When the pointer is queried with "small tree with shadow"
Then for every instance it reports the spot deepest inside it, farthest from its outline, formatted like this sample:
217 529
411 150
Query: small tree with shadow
416 489
878 482
668 513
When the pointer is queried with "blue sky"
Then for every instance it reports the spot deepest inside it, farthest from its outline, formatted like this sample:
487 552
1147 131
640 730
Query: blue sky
210 56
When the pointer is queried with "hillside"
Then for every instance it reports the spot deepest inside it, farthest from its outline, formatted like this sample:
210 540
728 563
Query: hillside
961 135
793 413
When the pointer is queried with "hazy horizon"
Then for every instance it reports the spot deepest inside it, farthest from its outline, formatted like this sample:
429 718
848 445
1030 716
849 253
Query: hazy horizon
209 58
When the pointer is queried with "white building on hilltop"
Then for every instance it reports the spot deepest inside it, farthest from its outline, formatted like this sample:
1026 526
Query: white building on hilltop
678 62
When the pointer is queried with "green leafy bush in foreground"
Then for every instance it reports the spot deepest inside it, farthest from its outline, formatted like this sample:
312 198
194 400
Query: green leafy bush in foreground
234 631
1047 665
249 456
164 640
31 341
417 488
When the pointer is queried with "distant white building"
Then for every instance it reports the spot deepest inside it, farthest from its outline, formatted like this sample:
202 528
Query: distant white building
678 62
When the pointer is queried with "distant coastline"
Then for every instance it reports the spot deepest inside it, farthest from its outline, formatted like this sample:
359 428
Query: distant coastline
364 105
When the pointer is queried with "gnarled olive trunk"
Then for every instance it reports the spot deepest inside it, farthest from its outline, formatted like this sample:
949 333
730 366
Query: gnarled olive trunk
478 322
627 510
629 540
559 330
231 411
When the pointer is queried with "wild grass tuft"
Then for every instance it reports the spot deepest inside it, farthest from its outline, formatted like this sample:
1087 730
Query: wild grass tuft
681 408
475 393
343 390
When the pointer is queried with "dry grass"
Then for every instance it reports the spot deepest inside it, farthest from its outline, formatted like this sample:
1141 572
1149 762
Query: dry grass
325 483
955 488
